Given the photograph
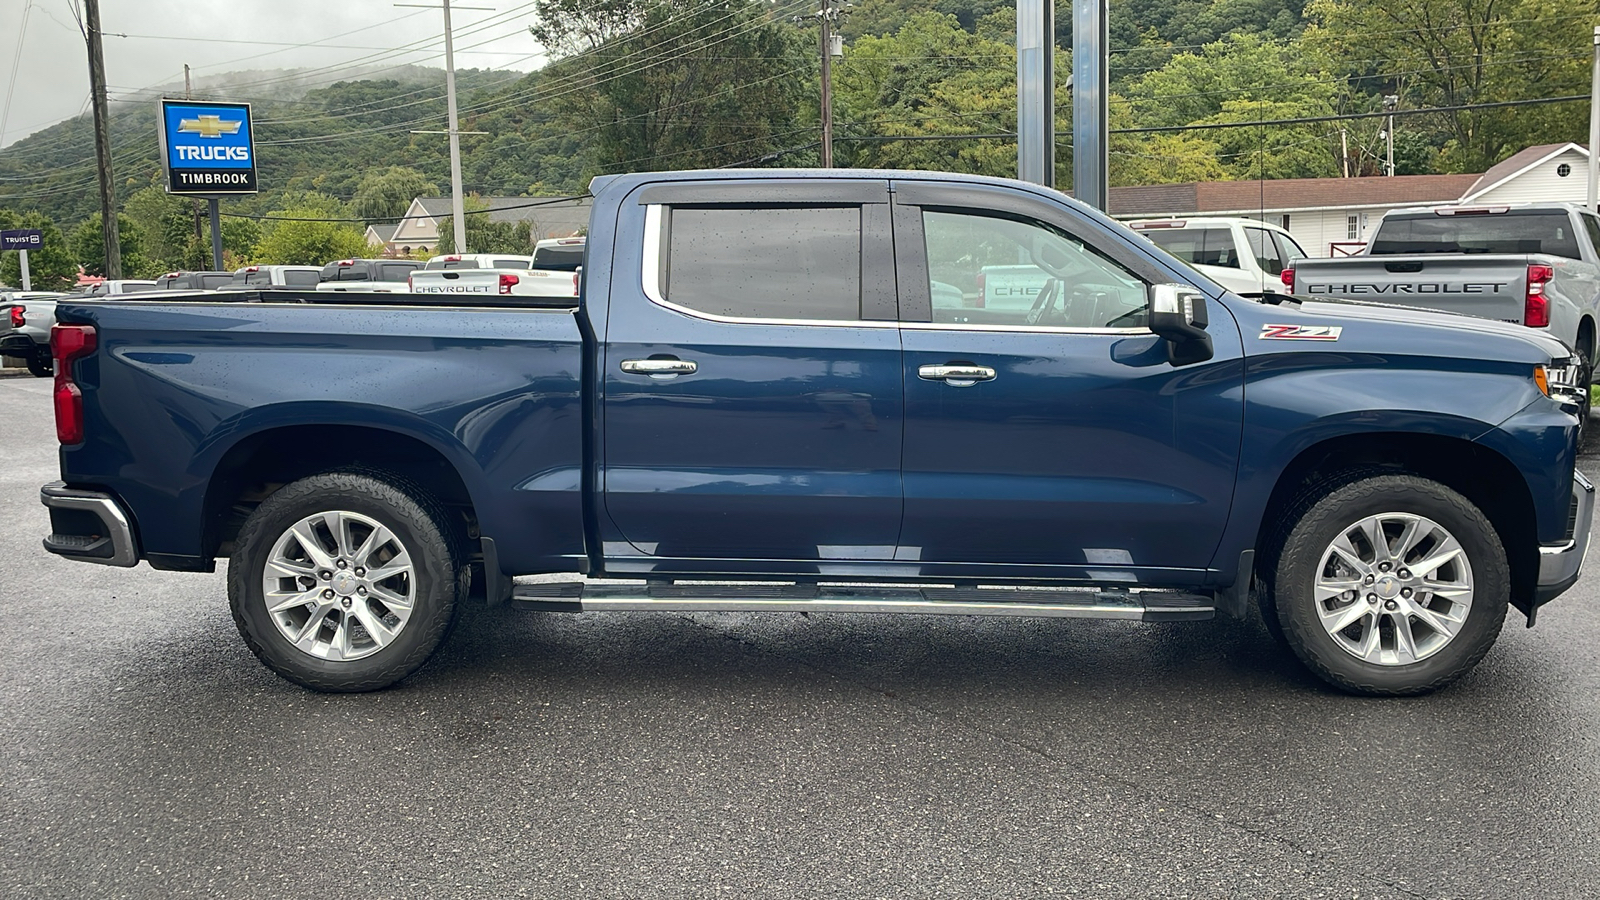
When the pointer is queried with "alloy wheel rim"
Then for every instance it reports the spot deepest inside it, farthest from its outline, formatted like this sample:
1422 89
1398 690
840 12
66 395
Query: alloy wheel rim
1393 589
339 585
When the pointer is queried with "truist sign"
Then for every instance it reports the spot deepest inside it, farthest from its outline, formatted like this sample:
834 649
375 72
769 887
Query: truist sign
206 148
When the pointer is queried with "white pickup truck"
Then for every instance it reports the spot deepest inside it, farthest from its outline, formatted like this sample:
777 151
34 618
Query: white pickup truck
552 271
1246 256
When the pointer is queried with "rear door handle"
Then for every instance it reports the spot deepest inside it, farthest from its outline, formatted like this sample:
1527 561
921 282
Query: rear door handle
956 375
660 368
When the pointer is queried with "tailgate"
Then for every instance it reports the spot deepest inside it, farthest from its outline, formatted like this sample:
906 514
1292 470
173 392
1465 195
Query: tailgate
1487 286
455 281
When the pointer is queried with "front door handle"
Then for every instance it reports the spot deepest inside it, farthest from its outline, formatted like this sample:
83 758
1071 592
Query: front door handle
956 375
659 368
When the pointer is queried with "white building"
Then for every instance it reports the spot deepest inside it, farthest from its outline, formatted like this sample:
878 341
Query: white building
1334 216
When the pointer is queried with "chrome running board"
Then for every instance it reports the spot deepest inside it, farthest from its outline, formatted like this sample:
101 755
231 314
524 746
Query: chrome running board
1069 603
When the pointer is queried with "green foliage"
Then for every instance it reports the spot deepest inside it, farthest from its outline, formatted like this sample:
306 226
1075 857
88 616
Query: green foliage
1245 78
51 267
722 86
291 237
385 193
89 244
1457 52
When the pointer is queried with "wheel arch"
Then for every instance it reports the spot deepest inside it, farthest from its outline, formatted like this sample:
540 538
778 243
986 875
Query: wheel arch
264 460
1486 478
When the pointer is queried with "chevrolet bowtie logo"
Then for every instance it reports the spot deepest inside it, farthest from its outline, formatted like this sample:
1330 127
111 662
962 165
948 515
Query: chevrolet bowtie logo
209 126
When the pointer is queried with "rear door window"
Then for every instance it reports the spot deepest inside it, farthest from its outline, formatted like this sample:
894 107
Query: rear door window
764 263
1197 246
563 258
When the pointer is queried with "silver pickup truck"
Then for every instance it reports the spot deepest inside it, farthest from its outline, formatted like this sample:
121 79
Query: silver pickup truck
1534 265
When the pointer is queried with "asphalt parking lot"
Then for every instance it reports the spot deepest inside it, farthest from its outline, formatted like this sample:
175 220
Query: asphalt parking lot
145 753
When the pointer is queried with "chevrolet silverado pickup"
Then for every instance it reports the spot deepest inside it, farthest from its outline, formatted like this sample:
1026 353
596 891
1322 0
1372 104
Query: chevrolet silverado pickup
1535 265
552 271
756 404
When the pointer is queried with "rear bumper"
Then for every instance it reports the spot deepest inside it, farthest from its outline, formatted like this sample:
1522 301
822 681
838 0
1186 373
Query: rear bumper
17 344
1560 564
88 526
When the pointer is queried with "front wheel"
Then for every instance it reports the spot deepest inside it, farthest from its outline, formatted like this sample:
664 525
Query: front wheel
344 581
1392 585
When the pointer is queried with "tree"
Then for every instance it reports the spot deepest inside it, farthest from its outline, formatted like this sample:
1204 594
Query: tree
672 84
1244 78
386 193
88 243
1433 53
52 267
303 236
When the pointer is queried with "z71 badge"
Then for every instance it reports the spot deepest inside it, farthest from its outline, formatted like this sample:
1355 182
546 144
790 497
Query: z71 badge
1300 332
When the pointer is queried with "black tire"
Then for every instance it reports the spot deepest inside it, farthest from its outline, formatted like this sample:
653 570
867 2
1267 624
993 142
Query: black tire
1585 381
41 365
1293 571
415 519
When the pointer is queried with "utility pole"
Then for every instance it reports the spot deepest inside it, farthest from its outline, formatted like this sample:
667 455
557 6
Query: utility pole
829 45
458 207
825 42
1344 151
1390 101
102 140
186 81
1593 196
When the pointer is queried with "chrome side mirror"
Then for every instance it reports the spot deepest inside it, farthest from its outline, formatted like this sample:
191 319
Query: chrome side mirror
1178 316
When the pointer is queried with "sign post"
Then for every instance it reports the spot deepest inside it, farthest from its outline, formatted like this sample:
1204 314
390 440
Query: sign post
24 239
207 150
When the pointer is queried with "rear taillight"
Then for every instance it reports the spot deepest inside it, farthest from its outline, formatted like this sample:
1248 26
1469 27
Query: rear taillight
507 282
983 283
68 344
1536 306
574 284
17 317
1287 277
410 285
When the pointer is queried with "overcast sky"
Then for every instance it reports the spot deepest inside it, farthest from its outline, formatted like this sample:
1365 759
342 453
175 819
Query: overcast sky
216 36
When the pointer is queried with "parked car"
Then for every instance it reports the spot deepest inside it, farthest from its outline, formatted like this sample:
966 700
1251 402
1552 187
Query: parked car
756 386
1534 265
384 276
193 281
25 320
274 278
1246 256
552 271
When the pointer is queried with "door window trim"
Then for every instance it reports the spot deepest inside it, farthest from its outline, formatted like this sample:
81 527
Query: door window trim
654 252
911 257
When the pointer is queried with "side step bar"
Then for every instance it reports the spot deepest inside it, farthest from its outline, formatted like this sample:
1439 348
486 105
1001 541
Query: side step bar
1071 603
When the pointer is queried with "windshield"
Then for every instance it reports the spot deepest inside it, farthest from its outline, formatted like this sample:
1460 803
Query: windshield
1522 231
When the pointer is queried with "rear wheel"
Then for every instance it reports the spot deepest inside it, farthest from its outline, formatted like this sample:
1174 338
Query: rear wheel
345 581
41 365
1585 355
1391 585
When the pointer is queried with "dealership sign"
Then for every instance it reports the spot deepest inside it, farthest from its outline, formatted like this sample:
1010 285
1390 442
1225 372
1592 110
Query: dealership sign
206 148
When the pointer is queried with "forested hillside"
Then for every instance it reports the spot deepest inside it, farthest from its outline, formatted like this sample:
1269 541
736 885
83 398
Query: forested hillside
642 84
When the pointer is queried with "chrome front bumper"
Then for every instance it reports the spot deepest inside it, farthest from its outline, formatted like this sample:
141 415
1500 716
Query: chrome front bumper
76 533
1559 564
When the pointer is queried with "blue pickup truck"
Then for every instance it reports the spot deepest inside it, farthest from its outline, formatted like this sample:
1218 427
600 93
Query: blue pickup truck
783 390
